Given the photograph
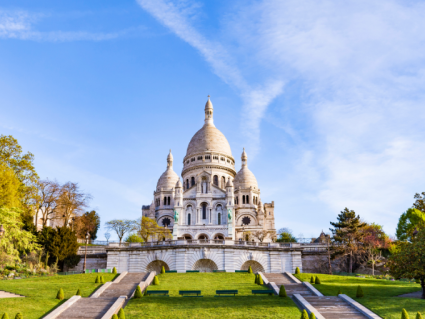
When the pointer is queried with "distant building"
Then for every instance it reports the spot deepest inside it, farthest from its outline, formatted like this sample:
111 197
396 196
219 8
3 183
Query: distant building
55 220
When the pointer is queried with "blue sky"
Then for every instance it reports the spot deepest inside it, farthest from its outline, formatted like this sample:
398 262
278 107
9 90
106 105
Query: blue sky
326 96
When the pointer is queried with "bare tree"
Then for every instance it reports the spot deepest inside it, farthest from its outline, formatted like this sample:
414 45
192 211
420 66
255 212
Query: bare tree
72 202
48 193
260 234
121 227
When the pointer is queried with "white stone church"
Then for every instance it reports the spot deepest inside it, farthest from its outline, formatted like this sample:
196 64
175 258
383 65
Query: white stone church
214 201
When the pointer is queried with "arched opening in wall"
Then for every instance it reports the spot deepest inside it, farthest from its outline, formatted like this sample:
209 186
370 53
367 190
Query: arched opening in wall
192 181
219 237
255 265
243 199
187 236
215 180
187 184
156 265
203 237
205 265
188 219
223 182
219 218
219 210
204 210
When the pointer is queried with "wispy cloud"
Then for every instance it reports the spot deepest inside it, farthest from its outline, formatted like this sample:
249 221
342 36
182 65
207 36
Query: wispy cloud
20 25
361 69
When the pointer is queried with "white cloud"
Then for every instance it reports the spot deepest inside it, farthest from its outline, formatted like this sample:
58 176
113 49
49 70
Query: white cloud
360 65
19 25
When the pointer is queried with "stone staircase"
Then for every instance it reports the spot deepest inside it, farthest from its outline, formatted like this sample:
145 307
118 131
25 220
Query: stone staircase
334 308
329 307
96 308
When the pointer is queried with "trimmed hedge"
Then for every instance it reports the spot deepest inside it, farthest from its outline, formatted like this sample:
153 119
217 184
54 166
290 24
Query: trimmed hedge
282 292
359 293
114 271
19 316
155 280
5 316
121 314
312 280
114 317
297 271
304 315
97 280
404 314
419 316
138 293
317 281
162 270
250 270
312 316
260 280
78 292
60 294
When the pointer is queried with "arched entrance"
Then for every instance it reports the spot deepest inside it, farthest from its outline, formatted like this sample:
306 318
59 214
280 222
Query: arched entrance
219 237
187 236
156 265
255 265
203 237
205 265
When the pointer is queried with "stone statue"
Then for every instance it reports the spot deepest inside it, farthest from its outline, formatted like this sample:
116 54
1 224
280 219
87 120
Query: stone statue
229 215
176 216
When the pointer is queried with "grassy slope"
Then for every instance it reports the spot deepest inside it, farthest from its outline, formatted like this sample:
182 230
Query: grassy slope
41 293
380 295
245 305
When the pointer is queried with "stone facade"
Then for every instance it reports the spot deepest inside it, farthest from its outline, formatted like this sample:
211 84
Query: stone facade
214 201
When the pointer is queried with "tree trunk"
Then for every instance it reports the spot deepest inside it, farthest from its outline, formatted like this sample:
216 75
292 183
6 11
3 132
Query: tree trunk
423 287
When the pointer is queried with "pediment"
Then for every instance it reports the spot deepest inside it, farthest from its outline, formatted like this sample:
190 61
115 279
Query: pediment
191 192
217 191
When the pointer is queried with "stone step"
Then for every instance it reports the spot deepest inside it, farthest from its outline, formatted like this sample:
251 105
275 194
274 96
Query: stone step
332 307
88 308
297 289
282 279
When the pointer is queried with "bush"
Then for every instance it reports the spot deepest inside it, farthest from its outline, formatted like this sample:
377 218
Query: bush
256 280
304 315
404 314
155 280
339 292
359 293
260 280
114 271
162 270
102 280
282 292
5 316
419 316
312 316
297 271
78 292
317 281
97 279
121 314
138 293
312 280
19 316
250 270
114 317
60 294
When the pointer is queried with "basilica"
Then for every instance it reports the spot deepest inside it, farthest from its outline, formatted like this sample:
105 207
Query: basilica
212 200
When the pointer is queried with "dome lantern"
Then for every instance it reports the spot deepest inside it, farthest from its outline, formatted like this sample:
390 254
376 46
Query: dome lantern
209 112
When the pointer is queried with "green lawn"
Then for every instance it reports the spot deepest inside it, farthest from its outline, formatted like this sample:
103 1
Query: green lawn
245 305
41 293
380 295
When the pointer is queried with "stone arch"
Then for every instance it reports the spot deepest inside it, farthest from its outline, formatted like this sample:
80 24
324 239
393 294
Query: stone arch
187 236
202 236
170 219
254 221
205 265
156 265
218 236
255 265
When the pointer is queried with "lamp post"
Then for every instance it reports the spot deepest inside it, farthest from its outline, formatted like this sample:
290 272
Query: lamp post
85 255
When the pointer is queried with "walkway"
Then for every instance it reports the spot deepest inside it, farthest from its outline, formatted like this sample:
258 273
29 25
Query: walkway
95 308
329 307
5 294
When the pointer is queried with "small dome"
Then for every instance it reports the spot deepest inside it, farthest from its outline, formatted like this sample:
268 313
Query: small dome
169 178
170 157
229 183
245 179
179 184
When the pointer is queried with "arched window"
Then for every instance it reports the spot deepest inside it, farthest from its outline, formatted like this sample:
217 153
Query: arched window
187 184
247 199
216 180
192 181
188 219
243 199
204 211
169 201
223 182
165 201
219 219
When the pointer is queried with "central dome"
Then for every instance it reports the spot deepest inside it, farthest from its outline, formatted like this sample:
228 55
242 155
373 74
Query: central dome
209 138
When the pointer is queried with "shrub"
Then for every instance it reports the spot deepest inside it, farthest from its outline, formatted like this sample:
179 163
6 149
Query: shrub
102 280
339 292
404 314
250 270
138 293
312 280
114 271
60 294
256 280
260 280
419 316
97 279
5 316
282 292
114 317
19 316
78 292
155 280
312 316
304 315
121 314
162 270
359 293
297 271
317 281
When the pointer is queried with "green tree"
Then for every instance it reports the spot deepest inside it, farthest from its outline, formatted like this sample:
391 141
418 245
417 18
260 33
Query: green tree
9 187
285 236
412 219
348 234
133 238
408 260
22 165
88 222
15 240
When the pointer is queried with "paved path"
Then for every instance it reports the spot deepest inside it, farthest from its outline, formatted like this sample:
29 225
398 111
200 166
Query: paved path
5 294
328 307
95 308
416 294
